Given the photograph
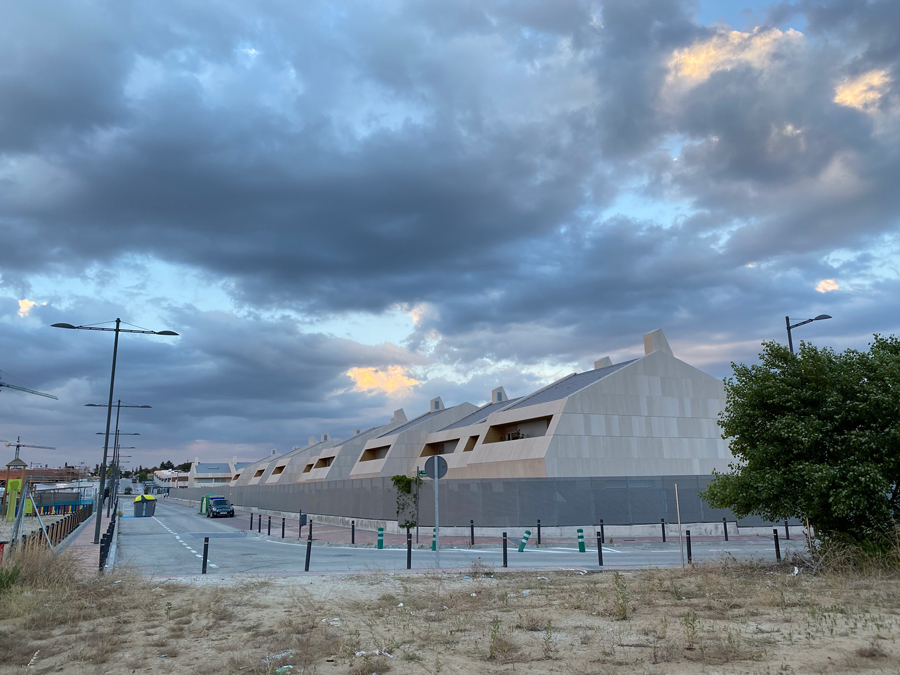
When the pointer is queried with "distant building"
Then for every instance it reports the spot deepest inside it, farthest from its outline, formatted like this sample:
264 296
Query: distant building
213 474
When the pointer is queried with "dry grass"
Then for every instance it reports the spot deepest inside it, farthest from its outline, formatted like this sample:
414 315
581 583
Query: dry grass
723 617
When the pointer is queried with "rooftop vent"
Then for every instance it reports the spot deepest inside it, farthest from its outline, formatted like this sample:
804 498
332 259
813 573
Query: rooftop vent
655 341
436 404
498 395
605 362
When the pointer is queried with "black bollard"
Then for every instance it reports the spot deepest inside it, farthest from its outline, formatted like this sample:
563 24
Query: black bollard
602 533
308 550
300 524
777 545
251 522
787 532
282 528
269 531
539 532
205 553
352 531
725 527
472 532
408 547
688 538
600 548
309 528
662 522
259 524
504 549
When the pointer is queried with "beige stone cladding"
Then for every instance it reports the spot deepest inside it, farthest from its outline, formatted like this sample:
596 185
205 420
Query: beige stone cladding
290 467
652 416
656 416
250 474
396 453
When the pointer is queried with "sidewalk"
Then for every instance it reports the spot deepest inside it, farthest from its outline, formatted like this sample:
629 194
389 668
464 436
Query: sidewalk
81 547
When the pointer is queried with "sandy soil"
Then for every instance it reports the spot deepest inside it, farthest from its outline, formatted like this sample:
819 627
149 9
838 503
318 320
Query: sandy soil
29 525
715 618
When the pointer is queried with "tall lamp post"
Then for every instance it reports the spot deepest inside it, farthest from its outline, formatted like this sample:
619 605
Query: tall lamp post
112 380
118 406
787 321
115 459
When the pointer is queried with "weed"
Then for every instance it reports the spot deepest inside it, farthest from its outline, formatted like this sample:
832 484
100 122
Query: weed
622 597
690 628
547 647
8 576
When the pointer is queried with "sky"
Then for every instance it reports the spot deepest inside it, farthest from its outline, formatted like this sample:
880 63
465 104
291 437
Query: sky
347 208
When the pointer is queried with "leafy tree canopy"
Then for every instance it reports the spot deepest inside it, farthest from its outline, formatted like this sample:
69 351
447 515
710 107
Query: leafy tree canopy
816 435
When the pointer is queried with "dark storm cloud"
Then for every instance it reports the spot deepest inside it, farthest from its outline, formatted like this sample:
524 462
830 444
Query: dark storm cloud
329 157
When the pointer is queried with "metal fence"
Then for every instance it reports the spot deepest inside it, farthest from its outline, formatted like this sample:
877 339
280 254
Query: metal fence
494 503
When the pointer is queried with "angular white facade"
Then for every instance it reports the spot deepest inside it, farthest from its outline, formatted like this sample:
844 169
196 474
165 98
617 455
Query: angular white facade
650 416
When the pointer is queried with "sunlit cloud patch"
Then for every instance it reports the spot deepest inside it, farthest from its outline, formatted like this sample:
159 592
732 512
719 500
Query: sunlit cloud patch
388 380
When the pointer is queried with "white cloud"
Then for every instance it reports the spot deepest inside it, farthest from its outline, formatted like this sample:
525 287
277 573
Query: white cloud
827 285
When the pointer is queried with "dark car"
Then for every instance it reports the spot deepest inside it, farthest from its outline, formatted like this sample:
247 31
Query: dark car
220 507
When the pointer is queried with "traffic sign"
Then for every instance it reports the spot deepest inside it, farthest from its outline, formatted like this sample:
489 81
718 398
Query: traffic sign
441 466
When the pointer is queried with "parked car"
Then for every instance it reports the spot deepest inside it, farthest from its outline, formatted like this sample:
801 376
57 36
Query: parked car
220 506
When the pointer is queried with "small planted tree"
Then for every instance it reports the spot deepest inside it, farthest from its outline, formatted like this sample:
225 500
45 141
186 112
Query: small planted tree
816 435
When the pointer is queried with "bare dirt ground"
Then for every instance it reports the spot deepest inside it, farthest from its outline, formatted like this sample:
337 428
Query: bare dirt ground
714 618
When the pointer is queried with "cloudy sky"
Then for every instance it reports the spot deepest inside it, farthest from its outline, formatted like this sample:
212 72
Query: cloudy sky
346 208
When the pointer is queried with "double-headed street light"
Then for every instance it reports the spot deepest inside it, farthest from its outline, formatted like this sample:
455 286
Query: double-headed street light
112 380
787 321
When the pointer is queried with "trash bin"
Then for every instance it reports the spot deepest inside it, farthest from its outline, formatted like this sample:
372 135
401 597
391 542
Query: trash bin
144 506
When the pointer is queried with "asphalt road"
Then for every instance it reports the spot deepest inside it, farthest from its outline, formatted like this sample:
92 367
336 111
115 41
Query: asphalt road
171 544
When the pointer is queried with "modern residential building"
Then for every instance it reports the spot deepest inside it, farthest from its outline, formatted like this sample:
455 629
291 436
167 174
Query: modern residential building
650 416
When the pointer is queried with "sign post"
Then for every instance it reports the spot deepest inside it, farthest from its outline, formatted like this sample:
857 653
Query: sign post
436 468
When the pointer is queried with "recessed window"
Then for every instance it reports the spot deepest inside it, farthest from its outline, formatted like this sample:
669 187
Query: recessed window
307 468
278 470
470 444
259 473
236 476
324 462
375 453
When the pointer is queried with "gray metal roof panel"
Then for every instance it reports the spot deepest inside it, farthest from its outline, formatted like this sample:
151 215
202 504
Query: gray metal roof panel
480 415
569 386
212 467
413 422
241 465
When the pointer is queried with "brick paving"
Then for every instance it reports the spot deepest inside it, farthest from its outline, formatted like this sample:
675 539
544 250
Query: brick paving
82 548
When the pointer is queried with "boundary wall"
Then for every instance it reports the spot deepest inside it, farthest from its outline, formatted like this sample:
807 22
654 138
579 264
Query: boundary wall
557 502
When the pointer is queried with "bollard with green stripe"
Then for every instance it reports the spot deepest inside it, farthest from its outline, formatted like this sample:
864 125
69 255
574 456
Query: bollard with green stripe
380 537
524 540
434 539
581 548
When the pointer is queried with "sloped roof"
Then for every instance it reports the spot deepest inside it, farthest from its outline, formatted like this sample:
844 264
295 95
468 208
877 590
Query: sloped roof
414 422
569 385
480 415
241 465
212 467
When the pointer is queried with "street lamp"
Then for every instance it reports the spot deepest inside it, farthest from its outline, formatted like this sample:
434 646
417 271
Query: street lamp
112 380
109 408
115 460
787 321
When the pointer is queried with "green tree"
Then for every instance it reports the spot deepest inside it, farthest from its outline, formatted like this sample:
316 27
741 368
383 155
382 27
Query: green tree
816 435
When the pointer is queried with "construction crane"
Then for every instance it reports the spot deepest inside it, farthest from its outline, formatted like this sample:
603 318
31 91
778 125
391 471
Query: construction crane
20 444
28 391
